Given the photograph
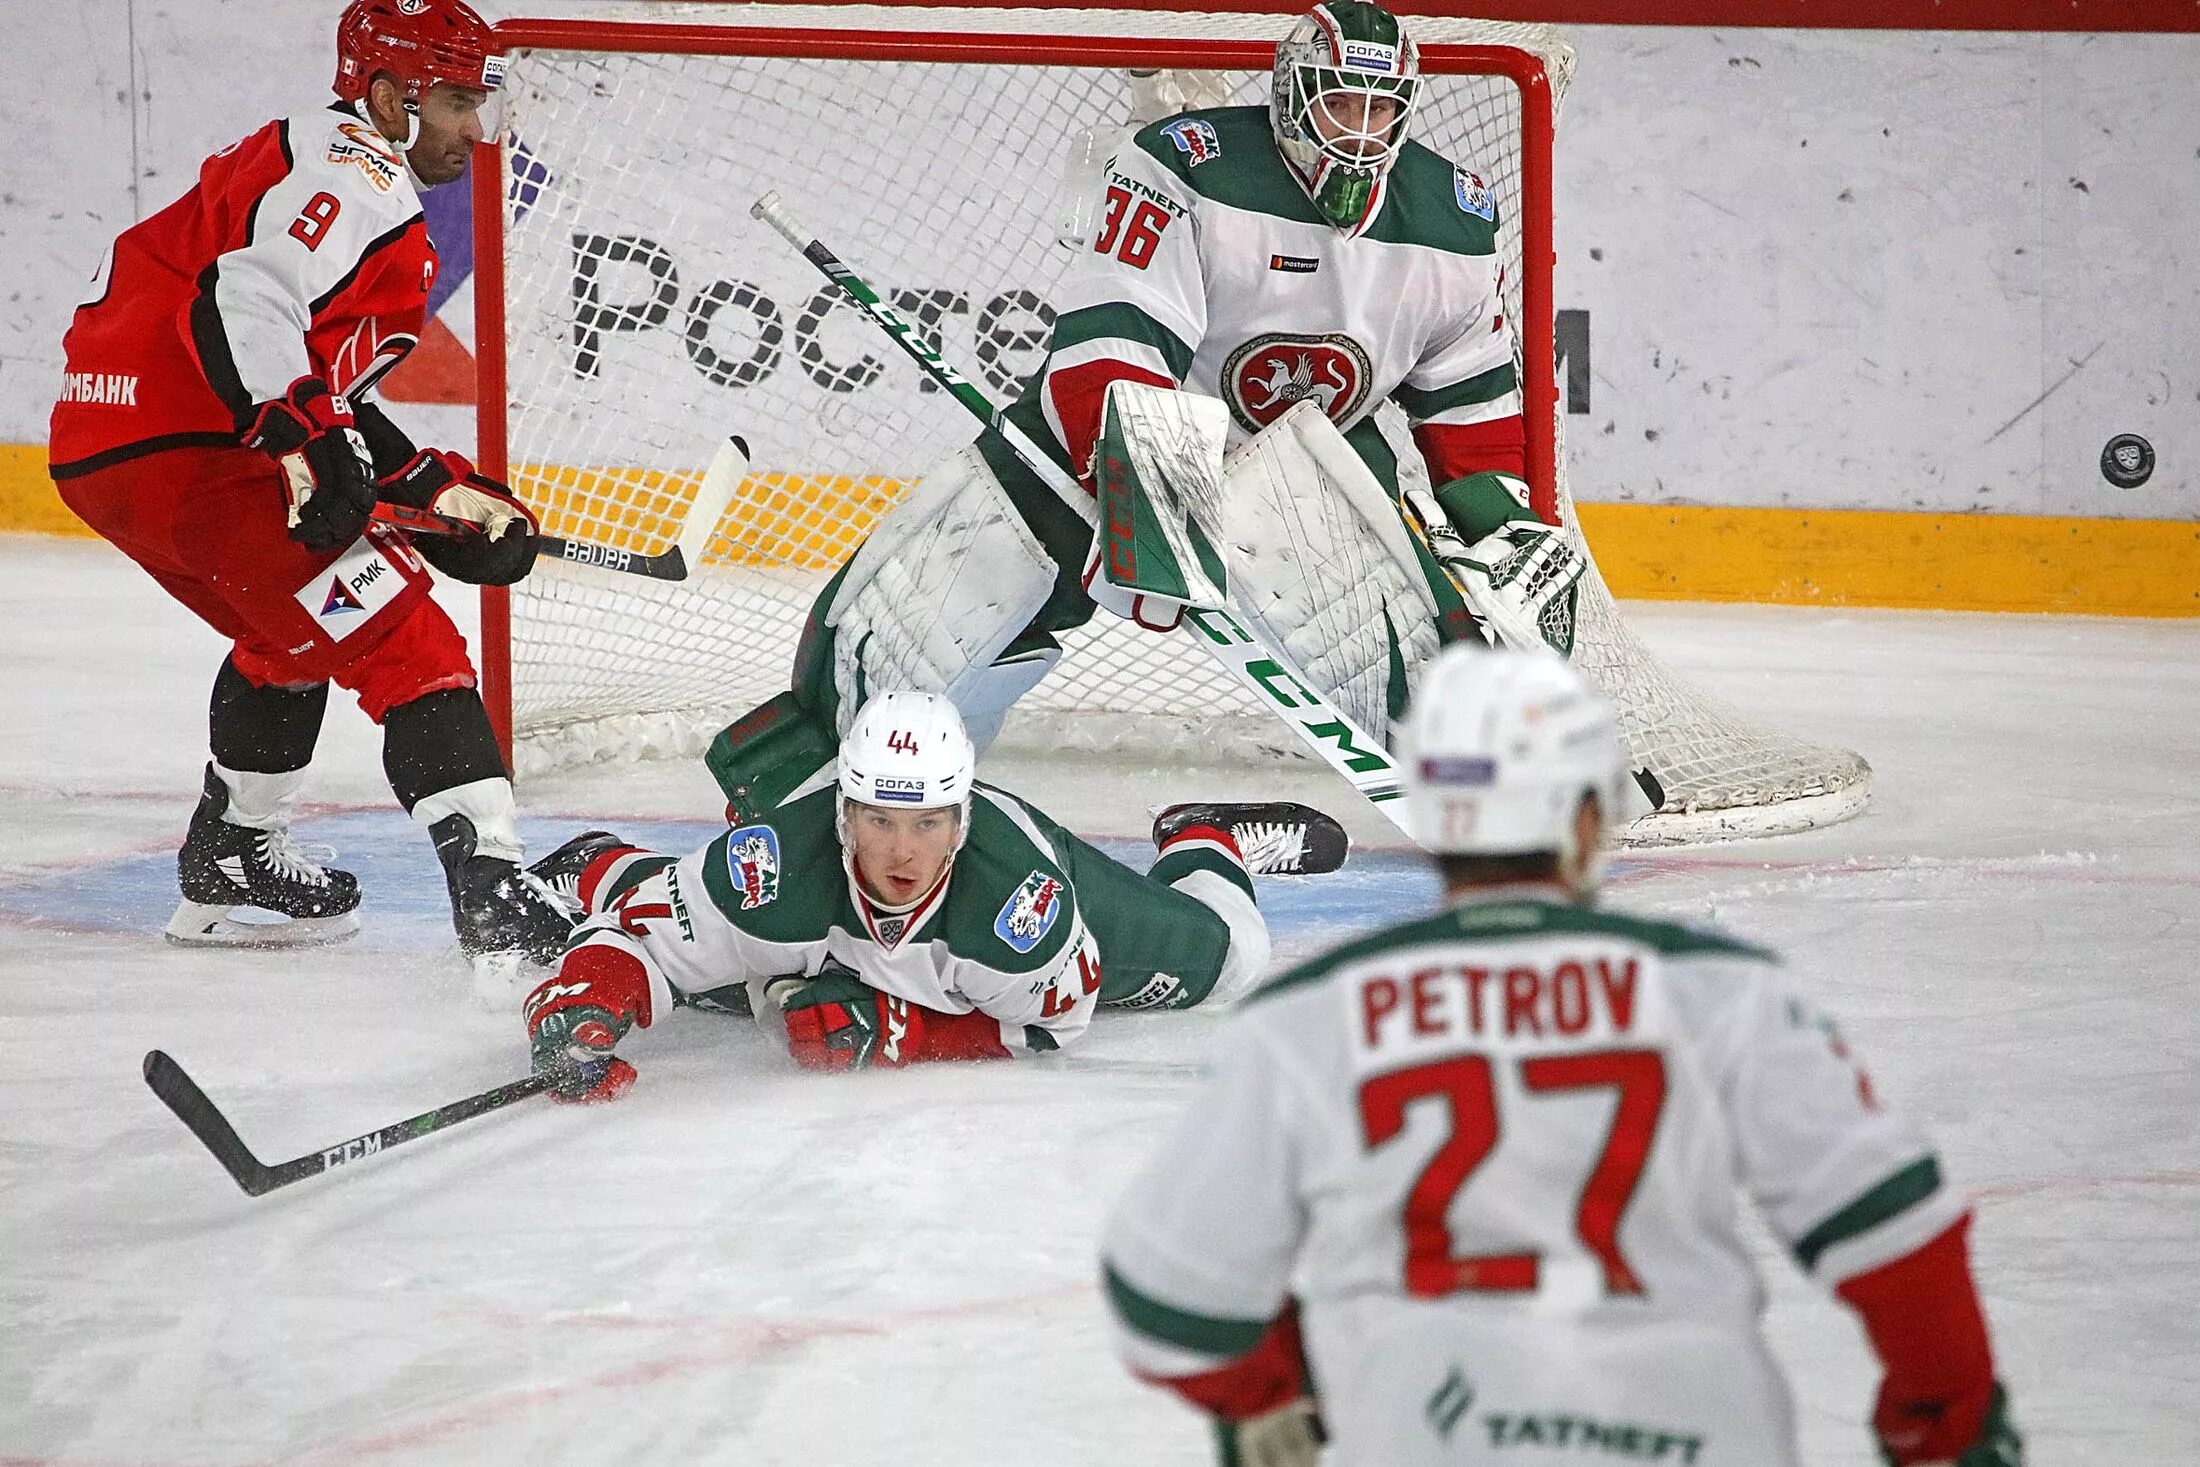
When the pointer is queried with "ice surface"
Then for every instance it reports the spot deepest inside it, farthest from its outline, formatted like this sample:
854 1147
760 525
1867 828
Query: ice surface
743 1264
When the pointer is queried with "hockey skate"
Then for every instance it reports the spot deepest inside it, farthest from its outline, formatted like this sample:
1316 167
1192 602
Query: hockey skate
1279 839
225 867
562 869
499 910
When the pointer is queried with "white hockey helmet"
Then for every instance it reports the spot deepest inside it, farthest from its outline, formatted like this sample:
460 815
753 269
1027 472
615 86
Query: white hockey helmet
909 751
1500 747
1338 56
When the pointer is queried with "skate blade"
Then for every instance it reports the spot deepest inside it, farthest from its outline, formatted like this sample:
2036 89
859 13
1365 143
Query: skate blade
202 924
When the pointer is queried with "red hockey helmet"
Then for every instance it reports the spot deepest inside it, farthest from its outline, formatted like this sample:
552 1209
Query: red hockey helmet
419 42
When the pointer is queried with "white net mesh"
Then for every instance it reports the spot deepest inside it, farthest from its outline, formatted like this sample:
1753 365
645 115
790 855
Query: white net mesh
647 316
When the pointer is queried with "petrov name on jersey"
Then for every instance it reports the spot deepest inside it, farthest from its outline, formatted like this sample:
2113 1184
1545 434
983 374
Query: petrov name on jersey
1451 1002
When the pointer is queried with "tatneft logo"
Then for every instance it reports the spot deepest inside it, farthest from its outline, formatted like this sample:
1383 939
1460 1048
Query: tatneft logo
112 389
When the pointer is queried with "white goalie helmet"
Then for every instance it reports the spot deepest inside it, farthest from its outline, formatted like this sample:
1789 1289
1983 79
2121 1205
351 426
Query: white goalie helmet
1336 63
1500 747
908 751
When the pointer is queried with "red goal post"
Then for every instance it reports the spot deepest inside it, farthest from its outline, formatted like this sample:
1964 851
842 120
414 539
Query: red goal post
634 146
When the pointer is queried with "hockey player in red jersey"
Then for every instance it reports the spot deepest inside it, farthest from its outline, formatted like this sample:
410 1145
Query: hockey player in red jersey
213 425
1469 1184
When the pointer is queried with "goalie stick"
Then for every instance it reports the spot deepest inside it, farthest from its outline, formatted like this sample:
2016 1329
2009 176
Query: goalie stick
1265 671
181 1094
728 467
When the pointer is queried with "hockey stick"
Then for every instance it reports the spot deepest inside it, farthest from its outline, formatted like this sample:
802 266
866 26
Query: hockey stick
182 1095
728 467
1264 671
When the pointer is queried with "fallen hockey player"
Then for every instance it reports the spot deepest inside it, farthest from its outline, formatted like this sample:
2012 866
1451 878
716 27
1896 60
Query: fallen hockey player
896 911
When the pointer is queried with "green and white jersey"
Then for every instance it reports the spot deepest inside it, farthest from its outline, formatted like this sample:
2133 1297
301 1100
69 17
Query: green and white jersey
1210 266
1495 1155
1002 934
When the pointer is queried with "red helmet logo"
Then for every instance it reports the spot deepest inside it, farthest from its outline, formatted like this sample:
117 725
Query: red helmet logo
1262 379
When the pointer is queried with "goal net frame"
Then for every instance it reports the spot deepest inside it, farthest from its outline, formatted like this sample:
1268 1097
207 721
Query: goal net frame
906 35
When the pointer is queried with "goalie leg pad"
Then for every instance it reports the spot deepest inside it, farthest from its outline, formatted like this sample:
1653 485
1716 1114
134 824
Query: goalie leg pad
1323 567
983 695
1157 470
937 594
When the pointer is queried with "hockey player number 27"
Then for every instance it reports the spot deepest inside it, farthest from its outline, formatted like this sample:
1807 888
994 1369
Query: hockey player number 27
1133 245
1467 1084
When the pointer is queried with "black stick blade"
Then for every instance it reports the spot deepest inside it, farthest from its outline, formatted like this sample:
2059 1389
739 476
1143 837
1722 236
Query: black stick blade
181 1094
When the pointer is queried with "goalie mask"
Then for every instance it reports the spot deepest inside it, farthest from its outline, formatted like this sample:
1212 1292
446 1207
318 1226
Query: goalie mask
1346 79
1499 749
907 751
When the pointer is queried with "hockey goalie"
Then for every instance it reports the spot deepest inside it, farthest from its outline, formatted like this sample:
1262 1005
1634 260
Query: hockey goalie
1258 281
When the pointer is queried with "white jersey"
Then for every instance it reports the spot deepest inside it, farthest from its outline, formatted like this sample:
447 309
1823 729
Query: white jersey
1004 933
1494 1153
1209 266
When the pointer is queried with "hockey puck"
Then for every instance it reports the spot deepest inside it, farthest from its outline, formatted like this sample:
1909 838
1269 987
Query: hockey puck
2127 461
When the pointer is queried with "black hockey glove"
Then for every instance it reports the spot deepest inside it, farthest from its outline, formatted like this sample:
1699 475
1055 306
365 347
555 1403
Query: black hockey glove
479 532
328 478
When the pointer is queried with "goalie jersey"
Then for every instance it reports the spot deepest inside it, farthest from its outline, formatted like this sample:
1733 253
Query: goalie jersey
1209 269
1002 934
1494 1154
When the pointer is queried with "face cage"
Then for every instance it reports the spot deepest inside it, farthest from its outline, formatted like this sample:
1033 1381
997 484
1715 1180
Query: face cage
1310 85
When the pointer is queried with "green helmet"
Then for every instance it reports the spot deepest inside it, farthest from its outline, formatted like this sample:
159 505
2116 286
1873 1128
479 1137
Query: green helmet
1332 70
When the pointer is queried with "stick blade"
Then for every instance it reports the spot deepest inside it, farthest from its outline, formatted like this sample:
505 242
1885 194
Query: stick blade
181 1094
728 467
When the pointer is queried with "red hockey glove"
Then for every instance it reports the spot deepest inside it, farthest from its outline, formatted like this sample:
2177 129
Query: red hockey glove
836 1021
1939 1401
1264 1409
479 532
328 475
575 1018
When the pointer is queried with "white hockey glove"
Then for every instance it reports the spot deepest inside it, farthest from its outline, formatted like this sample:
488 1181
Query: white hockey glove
1520 575
1289 1436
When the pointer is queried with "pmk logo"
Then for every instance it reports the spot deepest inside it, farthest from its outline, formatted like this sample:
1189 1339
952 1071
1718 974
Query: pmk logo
342 598
339 600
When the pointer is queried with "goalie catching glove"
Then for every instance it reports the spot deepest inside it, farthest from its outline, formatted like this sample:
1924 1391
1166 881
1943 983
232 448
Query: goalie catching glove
477 530
836 1021
1519 574
328 474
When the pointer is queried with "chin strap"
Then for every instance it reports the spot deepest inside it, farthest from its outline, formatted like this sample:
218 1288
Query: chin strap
412 127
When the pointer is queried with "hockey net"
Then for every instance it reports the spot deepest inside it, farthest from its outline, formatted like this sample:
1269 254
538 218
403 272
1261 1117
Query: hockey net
631 314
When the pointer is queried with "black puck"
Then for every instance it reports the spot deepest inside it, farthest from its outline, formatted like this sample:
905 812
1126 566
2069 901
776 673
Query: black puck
2127 461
